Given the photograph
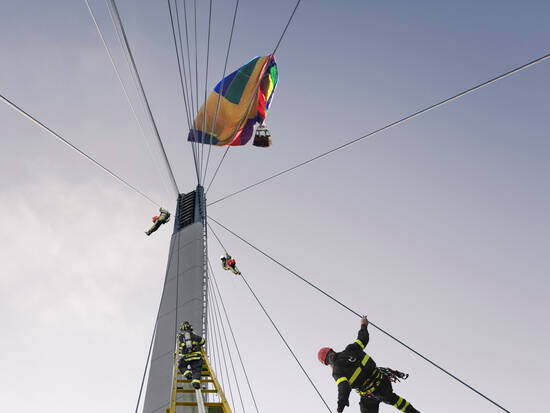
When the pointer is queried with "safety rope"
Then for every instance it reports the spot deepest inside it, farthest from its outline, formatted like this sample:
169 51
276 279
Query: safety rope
359 315
388 126
217 289
70 145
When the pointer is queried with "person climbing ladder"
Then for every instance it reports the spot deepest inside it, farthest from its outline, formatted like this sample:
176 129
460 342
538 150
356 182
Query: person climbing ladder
190 362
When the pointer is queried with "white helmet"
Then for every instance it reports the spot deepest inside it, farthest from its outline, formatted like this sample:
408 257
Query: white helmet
222 257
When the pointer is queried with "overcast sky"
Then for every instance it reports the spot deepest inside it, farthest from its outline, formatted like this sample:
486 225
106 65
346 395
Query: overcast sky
437 229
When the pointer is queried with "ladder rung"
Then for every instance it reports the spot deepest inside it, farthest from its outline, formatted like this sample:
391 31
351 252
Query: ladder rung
193 390
207 404
189 381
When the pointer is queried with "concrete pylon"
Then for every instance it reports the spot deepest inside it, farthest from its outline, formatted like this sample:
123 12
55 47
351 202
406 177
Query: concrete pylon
184 296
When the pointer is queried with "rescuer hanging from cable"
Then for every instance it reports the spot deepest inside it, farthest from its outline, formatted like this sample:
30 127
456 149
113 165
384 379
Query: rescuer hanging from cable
354 369
190 362
163 218
229 264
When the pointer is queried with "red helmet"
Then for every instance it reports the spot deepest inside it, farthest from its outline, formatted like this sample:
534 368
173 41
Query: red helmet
322 355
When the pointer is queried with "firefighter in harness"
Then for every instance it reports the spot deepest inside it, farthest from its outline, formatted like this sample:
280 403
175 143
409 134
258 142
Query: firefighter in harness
354 369
229 264
190 362
158 220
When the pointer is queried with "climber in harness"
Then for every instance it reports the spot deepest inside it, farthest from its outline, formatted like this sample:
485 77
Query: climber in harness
354 369
189 349
229 264
163 218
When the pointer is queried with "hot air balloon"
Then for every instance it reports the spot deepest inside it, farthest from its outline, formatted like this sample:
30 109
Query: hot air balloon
237 104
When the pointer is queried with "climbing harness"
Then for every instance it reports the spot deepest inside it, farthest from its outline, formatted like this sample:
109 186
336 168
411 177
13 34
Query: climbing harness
393 375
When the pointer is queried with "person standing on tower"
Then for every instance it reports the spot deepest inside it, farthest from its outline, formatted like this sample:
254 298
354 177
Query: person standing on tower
354 369
163 218
189 348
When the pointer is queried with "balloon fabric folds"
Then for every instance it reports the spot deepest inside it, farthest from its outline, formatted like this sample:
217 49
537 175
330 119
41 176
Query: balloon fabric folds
244 99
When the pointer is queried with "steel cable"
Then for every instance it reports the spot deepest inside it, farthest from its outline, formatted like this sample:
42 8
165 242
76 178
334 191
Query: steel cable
217 308
221 86
224 358
359 315
154 158
187 114
66 142
276 328
154 330
233 336
388 126
144 96
253 96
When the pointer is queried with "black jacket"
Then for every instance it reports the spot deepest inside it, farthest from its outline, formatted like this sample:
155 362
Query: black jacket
195 352
353 368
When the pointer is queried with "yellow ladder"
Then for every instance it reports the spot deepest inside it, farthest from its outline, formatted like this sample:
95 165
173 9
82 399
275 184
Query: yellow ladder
210 387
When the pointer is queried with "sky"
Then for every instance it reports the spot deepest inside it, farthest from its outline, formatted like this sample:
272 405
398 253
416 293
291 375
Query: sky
437 229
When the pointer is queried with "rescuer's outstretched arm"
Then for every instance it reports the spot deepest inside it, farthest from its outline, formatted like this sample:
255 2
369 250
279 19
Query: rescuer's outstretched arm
363 335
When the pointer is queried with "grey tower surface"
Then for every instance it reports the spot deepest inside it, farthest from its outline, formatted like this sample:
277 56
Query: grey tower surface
183 298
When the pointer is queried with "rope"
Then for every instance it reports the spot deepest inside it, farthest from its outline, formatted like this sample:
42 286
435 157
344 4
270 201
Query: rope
154 158
66 142
142 90
233 336
359 315
253 96
390 125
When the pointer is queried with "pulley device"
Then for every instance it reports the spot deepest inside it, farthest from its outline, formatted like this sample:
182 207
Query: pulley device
393 375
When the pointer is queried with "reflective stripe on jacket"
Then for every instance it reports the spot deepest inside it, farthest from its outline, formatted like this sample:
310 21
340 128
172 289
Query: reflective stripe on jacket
353 368
194 353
